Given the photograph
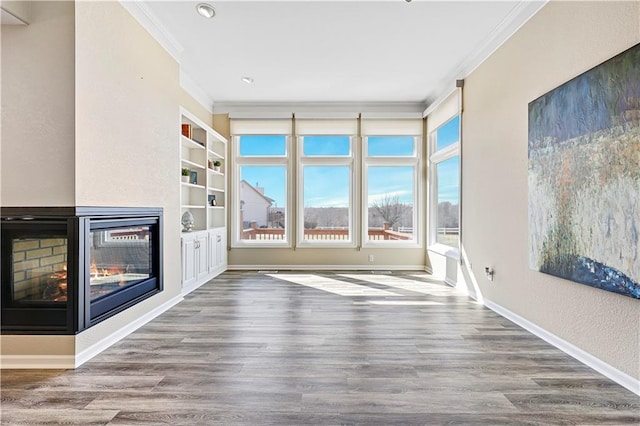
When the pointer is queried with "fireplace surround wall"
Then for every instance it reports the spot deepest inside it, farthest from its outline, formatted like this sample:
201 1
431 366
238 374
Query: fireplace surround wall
65 269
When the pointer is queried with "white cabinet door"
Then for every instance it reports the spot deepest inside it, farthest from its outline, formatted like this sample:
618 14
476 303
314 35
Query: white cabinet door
221 248
213 251
202 265
188 260
217 249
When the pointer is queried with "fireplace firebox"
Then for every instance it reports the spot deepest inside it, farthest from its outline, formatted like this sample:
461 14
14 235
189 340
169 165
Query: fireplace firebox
65 269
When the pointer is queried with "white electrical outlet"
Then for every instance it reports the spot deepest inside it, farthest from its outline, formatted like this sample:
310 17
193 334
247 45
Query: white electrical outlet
371 258
488 271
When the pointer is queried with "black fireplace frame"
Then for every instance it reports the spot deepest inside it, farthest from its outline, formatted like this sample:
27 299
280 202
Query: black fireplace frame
75 223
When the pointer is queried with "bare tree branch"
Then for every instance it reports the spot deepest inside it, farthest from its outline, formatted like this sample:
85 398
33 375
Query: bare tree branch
390 208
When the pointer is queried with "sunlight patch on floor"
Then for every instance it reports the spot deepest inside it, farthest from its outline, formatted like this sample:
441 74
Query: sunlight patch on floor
428 277
403 302
403 284
330 285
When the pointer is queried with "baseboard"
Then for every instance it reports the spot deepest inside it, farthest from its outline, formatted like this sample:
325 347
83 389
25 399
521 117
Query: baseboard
450 282
198 284
586 358
51 362
326 267
54 362
194 286
103 344
472 294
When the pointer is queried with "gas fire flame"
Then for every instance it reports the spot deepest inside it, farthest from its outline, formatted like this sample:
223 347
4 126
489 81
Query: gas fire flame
96 272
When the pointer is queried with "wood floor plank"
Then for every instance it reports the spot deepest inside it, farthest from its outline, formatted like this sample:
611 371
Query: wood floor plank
252 349
57 417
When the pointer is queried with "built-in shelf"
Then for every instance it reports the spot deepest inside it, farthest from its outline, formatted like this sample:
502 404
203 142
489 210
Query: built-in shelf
192 185
200 147
216 155
190 143
204 250
192 164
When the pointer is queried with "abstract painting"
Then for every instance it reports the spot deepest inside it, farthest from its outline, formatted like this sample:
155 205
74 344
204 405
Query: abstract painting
584 177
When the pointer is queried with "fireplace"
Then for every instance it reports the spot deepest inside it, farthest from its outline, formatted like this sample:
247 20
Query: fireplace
65 269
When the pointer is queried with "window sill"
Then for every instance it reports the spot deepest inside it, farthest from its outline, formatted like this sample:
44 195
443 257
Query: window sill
328 244
260 244
391 244
443 250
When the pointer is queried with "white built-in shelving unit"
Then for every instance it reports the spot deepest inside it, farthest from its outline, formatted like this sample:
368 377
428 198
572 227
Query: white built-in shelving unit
204 250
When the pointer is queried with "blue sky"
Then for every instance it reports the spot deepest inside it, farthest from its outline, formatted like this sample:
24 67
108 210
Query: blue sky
448 134
271 178
448 171
448 188
392 180
328 186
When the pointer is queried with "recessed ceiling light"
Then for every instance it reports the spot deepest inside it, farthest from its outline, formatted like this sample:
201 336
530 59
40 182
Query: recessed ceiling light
206 10
247 80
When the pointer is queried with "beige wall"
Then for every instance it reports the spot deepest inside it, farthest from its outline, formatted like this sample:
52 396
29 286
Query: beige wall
396 258
91 109
38 113
563 40
38 129
127 151
194 107
38 345
222 125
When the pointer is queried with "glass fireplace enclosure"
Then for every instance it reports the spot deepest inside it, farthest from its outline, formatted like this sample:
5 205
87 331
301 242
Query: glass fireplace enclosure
63 273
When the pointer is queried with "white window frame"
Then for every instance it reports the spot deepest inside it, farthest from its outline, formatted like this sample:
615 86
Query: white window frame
399 161
328 160
435 157
256 160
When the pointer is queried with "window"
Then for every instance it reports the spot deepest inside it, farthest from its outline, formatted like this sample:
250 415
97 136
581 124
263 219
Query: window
391 168
445 184
335 179
327 146
261 179
263 145
326 191
391 146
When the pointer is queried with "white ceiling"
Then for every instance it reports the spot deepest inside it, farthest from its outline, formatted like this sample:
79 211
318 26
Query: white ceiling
334 51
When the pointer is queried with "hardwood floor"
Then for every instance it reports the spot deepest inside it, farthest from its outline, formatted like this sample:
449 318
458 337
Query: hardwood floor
323 348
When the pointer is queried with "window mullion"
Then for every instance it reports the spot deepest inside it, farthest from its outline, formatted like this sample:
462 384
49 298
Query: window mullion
445 153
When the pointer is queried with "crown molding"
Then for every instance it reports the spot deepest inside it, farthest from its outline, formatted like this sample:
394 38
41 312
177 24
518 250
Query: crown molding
9 18
191 87
517 17
318 107
150 22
